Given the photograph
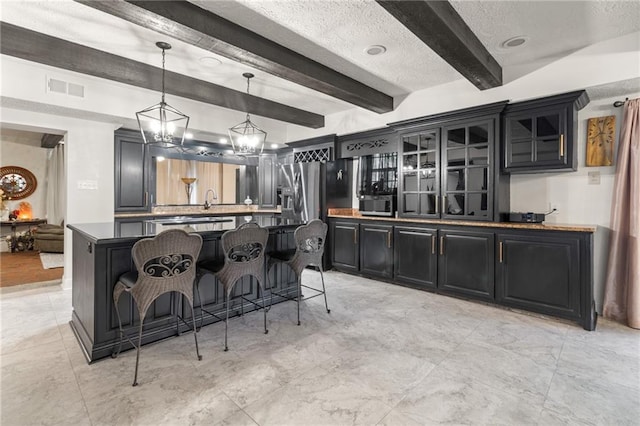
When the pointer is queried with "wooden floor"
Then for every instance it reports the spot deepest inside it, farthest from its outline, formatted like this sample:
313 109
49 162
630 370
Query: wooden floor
25 268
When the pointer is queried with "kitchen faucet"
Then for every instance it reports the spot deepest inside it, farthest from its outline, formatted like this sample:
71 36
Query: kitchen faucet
206 198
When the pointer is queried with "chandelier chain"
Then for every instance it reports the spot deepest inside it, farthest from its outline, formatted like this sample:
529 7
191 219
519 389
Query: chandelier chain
163 76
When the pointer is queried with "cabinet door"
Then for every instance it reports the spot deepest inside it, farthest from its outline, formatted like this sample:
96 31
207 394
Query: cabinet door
267 180
376 250
467 184
131 173
537 139
344 246
420 183
415 259
466 264
540 273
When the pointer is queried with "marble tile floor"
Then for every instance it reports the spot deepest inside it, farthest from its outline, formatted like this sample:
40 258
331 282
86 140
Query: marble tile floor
386 355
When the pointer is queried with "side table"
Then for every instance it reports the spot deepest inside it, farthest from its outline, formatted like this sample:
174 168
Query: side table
14 226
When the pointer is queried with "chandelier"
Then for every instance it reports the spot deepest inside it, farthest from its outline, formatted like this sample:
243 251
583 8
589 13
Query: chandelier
162 124
246 137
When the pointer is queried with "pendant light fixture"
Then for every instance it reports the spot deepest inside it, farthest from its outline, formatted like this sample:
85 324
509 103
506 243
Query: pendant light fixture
247 138
162 124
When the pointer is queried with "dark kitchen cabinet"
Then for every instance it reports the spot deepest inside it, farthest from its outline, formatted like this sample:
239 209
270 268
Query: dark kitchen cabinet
132 171
449 166
345 253
267 181
466 263
540 135
540 273
376 250
415 256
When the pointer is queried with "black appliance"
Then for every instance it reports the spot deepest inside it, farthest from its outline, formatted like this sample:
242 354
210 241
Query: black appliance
378 184
526 217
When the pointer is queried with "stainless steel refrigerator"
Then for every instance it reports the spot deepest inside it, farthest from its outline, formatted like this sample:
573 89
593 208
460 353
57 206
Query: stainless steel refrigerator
307 190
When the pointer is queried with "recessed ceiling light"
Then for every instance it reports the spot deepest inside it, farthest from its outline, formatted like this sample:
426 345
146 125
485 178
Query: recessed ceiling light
160 158
188 135
210 61
229 151
376 49
274 145
223 140
514 42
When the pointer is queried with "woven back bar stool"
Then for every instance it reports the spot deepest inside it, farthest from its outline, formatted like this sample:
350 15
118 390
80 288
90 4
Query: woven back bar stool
310 240
165 263
243 249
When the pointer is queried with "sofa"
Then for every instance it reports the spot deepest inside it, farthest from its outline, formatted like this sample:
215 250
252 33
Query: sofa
49 238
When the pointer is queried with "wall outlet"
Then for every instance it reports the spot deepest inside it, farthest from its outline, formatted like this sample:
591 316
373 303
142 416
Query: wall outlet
594 177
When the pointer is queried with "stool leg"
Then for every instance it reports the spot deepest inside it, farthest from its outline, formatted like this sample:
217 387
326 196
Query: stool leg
116 353
226 321
264 308
195 332
178 301
135 376
299 294
200 300
324 291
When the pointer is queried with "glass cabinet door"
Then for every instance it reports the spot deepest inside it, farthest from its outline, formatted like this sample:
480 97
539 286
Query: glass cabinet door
536 138
465 178
420 180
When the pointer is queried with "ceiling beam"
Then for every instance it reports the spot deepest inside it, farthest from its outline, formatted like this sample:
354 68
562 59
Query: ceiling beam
191 24
37 47
440 27
50 141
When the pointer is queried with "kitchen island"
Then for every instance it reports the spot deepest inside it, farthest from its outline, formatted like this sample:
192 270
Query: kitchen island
102 252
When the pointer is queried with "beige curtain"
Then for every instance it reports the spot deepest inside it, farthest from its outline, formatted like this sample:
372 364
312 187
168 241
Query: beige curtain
56 192
622 288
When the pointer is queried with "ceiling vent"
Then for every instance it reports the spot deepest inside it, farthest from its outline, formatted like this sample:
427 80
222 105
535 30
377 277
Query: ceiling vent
60 86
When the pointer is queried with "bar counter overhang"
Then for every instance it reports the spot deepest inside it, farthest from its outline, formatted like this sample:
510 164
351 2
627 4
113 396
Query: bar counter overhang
102 252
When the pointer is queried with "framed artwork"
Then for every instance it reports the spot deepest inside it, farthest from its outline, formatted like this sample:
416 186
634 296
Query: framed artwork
17 182
601 137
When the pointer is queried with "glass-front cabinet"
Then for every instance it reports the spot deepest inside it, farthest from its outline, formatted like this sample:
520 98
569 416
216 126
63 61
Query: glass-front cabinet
466 157
448 166
420 178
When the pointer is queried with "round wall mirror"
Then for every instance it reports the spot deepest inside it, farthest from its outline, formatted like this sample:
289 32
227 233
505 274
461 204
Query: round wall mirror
17 182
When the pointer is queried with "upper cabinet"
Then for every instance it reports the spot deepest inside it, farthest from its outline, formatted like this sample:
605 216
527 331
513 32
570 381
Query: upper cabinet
132 171
448 166
370 142
540 135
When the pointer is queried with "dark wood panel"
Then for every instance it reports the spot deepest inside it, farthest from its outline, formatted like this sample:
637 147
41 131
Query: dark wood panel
415 256
189 23
345 248
440 27
37 47
376 250
466 264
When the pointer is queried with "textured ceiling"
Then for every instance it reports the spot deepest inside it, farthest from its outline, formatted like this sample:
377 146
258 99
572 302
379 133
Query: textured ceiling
335 33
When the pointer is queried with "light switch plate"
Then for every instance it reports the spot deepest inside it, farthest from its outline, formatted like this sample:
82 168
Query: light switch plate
594 177
88 184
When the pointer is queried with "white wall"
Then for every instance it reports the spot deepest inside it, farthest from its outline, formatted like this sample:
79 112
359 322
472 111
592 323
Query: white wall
89 152
34 159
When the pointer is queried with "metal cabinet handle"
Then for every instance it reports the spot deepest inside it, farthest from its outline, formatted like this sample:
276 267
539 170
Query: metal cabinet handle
437 204
441 246
444 204
388 239
355 236
561 144
500 252
146 198
433 244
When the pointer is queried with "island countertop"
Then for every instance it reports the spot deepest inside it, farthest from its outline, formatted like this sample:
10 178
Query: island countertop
109 231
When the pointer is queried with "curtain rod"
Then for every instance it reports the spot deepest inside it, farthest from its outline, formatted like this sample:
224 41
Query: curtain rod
618 104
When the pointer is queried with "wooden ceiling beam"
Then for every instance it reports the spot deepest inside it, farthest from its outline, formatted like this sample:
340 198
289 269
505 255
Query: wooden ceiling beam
191 24
441 28
37 47
49 140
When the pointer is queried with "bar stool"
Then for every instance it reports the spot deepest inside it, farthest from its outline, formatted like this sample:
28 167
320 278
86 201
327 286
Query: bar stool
243 249
310 240
165 263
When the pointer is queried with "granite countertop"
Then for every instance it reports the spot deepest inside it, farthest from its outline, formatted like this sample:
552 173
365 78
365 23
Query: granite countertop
346 214
198 210
110 231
